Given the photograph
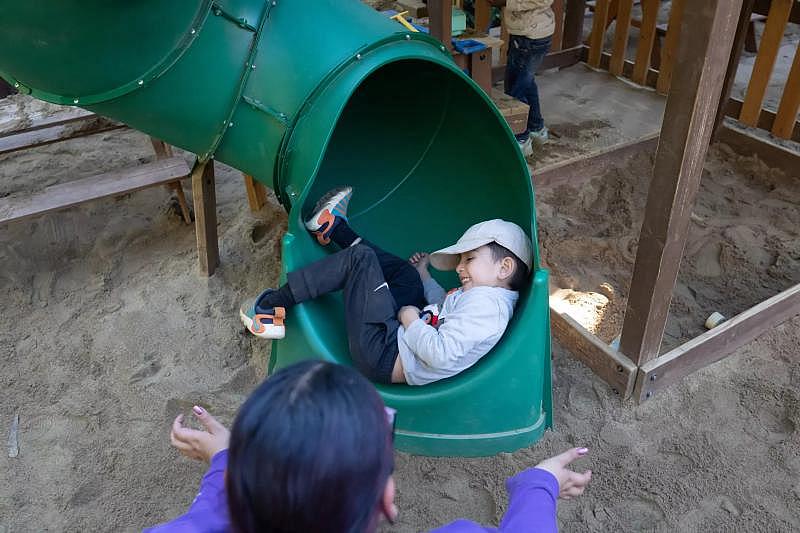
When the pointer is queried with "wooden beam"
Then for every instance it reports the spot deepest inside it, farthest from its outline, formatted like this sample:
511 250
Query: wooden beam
739 40
256 193
69 129
65 116
558 16
671 39
440 21
772 154
581 168
573 23
786 118
762 8
480 69
765 121
612 367
483 16
598 33
621 37
708 29
765 60
205 216
716 344
627 69
114 183
647 35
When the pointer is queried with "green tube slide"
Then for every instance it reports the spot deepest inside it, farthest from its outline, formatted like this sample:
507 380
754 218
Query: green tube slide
306 96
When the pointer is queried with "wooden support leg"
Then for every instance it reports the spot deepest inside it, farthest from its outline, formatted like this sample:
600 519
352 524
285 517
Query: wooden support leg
707 29
739 42
256 193
163 151
205 216
573 23
440 21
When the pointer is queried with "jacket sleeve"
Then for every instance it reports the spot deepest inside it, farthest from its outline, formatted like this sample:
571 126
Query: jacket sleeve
209 510
434 293
457 334
532 497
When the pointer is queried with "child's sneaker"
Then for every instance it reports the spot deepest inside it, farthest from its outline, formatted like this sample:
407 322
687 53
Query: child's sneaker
265 325
526 146
539 137
331 208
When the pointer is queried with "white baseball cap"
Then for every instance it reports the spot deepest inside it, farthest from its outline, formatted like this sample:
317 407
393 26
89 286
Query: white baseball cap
504 233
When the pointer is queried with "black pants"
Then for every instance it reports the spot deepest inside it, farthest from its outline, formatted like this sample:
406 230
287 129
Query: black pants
375 284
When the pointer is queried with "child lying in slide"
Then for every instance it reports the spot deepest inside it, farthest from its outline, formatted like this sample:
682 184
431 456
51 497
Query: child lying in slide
390 339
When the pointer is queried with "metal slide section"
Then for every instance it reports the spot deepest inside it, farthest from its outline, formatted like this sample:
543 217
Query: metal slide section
305 96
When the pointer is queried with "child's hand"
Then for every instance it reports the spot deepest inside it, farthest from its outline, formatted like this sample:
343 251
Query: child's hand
197 444
407 315
421 261
570 483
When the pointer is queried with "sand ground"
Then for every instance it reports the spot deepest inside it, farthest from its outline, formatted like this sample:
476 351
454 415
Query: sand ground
107 332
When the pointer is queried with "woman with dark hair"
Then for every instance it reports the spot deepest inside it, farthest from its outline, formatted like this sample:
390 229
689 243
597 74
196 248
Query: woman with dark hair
311 451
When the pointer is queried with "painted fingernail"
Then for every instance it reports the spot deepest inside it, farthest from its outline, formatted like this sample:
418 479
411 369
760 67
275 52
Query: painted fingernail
198 410
583 451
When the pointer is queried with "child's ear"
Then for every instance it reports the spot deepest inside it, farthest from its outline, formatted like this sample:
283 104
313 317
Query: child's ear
507 267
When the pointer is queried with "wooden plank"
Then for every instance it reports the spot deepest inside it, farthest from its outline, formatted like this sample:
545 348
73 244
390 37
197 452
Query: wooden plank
621 37
611 366
739 40
205 216
573 23
114 183
161 148
627 70
786 117
772 154
765 60
708 29
61 132
65 116
483 15
598 33
671 39
440 21
647 34
480 69
716 344
765 121
762 8
586 166
256 193
558 17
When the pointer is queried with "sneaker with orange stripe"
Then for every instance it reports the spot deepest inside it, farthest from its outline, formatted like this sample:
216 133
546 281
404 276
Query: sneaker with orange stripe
264 323
327 213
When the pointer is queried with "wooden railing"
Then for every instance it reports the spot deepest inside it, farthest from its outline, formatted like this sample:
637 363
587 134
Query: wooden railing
665 38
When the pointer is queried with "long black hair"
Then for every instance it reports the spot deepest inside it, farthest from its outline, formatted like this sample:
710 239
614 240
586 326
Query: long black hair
310 450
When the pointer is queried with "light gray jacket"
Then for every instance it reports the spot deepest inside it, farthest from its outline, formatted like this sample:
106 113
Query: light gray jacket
470 324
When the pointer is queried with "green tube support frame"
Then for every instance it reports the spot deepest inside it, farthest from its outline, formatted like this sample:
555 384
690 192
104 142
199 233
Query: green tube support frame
304 99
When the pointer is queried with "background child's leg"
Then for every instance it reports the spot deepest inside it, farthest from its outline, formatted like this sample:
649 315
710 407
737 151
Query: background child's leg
402 277
370 309
524 58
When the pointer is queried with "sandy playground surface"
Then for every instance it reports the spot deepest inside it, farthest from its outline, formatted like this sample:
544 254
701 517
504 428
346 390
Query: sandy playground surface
107 332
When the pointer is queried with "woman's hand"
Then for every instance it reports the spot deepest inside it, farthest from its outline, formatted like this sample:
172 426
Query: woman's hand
570 484
198 444
421 261
407 315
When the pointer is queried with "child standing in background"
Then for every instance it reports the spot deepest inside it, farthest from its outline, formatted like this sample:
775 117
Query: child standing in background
530 25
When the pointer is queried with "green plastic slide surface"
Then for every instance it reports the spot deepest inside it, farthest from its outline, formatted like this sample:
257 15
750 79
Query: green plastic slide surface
305 99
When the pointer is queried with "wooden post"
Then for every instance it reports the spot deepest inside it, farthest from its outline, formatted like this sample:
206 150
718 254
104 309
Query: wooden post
647 35
558 16
790 101
779 13
205 216
440 21
256 193
739 40
163 151
483 15
573 23
707 29
599 25
621 37
480 69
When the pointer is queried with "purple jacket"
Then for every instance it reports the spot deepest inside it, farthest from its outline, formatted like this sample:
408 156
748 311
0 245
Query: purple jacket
531 507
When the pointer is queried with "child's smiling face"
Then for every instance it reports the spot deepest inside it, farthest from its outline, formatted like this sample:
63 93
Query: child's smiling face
478 268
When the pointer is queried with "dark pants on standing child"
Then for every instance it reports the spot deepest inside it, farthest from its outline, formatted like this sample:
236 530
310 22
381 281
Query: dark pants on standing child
375 284
525 56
